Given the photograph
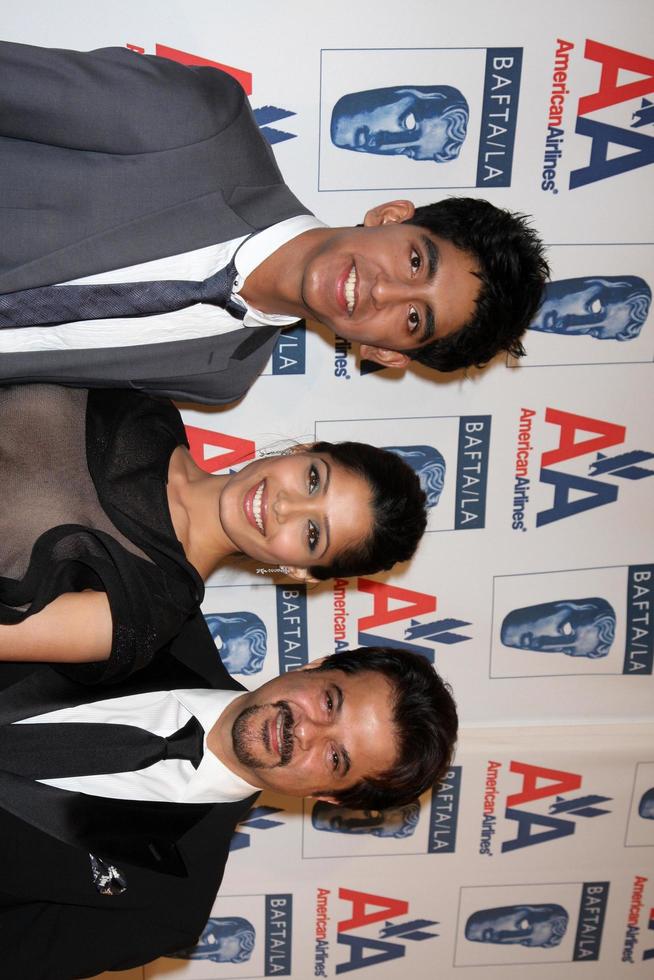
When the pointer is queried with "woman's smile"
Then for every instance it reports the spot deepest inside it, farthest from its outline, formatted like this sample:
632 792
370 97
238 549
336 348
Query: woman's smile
255 506
295 509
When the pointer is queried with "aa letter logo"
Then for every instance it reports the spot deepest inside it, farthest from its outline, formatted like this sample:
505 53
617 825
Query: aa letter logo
575 492
370 947
536 825
391 604
616 149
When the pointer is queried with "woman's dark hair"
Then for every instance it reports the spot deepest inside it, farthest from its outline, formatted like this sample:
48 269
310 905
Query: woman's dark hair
512 269
425 722
398 505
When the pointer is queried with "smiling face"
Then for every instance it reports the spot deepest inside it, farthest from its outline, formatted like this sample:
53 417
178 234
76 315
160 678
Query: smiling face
298 510
390 285
311 732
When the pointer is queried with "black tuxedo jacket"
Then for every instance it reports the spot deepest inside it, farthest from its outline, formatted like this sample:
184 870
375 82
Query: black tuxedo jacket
111 158
54 924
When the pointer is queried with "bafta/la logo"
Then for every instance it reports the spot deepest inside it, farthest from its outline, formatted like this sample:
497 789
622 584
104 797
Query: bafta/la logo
392 604
574 492
367 950
264 116
616 149
533 826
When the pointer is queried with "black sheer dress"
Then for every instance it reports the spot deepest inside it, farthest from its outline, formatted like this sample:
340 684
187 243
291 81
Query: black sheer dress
83 505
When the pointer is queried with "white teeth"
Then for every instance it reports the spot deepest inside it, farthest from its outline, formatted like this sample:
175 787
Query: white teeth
350 284
256 506
279 732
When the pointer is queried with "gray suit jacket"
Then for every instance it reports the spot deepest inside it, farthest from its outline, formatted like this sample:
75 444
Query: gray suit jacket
108 159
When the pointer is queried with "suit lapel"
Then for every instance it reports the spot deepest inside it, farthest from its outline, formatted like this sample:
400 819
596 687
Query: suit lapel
253 340
168 231
191 224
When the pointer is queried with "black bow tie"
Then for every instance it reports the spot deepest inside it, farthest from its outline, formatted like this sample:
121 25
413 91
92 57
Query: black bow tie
56 750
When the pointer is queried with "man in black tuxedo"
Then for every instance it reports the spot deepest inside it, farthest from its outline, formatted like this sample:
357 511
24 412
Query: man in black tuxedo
124 168
107 862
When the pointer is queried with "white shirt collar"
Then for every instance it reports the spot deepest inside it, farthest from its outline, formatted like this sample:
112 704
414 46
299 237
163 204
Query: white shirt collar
212 781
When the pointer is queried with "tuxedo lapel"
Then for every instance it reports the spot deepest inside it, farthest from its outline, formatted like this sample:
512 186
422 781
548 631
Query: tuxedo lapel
45 689
132 831
191 660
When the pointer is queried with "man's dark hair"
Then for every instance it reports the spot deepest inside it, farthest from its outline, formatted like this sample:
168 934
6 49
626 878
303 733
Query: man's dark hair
425 726
512 270
398 505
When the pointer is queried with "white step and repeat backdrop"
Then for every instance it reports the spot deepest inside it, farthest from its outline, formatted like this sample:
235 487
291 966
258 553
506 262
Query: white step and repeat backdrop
532 590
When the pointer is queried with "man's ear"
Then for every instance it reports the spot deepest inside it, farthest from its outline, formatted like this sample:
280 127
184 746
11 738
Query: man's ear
301 574
334 800
382 355
391 211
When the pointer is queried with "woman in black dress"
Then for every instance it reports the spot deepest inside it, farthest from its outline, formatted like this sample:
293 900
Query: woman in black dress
109 527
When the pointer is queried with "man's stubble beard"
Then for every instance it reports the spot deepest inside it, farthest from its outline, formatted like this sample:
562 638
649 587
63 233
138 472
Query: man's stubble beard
242 739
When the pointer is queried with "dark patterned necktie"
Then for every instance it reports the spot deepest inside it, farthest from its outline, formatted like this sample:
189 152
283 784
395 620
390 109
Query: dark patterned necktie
51 305
51 750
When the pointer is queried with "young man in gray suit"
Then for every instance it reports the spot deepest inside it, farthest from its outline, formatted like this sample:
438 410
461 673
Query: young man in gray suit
119 168
117 804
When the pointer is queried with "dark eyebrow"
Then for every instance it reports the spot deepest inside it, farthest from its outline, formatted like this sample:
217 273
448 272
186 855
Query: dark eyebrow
347 763
325 488
432 257
429 327
328 474
345 755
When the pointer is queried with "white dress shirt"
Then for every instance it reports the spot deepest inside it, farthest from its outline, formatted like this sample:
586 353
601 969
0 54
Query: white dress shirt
169 780
190 323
